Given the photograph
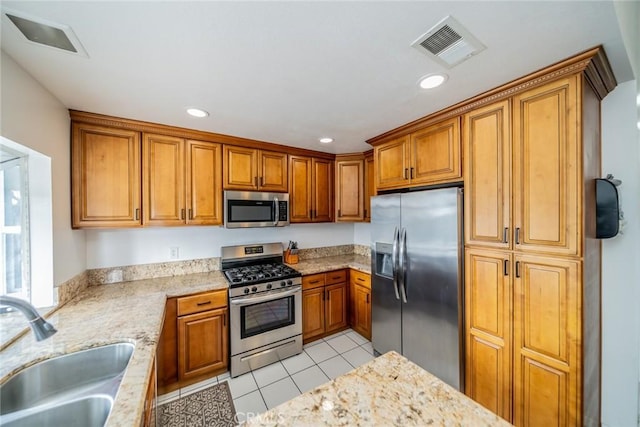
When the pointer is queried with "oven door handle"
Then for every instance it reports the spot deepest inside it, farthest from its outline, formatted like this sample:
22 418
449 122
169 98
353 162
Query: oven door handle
249 300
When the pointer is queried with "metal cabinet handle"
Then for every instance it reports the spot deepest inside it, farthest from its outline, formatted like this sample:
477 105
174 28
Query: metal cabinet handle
411 173
518 269
255 181
406 171
505 235
517 235
203 303
261 181
181 213
137 214
190 213
367 298
506 267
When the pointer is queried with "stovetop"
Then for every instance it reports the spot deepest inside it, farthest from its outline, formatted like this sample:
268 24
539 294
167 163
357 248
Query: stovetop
259 273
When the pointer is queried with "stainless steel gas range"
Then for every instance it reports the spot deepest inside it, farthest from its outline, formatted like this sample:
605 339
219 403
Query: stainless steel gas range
265 300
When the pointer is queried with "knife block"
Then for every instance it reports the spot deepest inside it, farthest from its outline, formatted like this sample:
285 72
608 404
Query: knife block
290 258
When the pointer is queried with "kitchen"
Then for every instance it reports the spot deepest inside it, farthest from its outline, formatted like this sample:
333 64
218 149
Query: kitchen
110 249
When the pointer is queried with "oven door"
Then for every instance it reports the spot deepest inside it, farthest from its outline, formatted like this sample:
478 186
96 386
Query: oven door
262 319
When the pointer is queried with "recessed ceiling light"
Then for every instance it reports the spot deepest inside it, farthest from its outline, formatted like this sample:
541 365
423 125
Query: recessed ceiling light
432 80
196 112
326 140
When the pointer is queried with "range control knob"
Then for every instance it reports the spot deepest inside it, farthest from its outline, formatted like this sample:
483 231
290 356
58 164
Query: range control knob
269 286
246 290
282 284
254 289
289 282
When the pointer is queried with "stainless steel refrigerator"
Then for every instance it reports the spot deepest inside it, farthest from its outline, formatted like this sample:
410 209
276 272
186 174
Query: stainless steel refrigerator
416 261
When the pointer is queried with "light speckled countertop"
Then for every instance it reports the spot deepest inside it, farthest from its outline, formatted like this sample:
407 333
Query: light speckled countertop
388 391
130 312
330 263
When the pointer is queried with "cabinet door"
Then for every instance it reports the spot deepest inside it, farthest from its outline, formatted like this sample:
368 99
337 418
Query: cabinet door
546 173
362 314
488 329
322 190
392 163
349 190
204 186
300 193
312 313
369 186
240 168
487 160
336 307
163 180
202 343
435 154
105 177
546 341
168 347
273 172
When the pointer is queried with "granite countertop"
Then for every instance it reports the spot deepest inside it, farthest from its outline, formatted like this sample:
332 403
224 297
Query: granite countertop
391 391
130 312
330 263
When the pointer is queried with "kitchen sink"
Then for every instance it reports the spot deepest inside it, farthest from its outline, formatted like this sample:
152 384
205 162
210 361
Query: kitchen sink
82 384
87 411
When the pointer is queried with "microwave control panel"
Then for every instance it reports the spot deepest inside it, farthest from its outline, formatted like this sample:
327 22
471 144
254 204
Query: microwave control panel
282 211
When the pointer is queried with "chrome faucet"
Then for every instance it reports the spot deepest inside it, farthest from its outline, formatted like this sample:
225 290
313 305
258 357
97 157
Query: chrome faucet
41 328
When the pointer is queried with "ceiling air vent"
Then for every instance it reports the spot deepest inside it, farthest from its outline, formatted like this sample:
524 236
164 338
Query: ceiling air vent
46 33
448 43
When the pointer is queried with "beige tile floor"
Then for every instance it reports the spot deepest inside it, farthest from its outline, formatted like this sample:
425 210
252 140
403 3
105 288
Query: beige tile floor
267 387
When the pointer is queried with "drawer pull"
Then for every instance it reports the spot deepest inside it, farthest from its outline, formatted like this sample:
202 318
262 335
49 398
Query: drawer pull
314 281
360 279
336 277
203 303
367 298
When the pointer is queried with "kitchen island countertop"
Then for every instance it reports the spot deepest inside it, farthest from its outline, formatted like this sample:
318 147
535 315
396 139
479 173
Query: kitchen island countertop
387 391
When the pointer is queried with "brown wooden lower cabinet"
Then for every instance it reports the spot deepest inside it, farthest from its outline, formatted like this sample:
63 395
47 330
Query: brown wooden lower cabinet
324 304
194 340
202 343
523 336
360 303
150 399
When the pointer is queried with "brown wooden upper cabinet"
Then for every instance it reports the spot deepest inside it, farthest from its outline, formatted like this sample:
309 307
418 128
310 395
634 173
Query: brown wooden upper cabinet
181 181
254 170
311 189
523 193
369 184
105 176
427 156
349 188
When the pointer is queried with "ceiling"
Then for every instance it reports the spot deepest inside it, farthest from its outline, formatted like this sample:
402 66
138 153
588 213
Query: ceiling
292 72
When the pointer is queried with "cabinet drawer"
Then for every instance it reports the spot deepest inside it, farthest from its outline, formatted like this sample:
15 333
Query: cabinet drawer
339 276
313 281
202 302
360 278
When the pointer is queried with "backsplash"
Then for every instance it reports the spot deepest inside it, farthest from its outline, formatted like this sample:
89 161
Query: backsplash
103 276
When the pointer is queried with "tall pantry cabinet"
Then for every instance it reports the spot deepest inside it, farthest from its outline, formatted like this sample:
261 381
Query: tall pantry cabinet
532 264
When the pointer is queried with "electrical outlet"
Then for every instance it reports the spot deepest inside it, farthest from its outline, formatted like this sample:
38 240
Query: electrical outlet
174 252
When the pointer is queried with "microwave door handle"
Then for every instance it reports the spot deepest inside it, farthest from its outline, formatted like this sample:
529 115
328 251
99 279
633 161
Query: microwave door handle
277 211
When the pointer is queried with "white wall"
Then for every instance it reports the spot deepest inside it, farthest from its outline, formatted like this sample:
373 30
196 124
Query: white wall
620 269
112 248
33 117
362 234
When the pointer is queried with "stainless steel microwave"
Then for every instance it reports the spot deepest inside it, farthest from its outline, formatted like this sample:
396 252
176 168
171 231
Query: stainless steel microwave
244 209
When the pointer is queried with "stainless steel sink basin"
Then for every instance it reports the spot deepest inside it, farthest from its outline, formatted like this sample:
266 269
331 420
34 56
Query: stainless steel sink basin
88 411
85 383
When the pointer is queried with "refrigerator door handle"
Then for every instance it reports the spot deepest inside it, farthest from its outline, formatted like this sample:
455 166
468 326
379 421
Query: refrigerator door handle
394 261
403 264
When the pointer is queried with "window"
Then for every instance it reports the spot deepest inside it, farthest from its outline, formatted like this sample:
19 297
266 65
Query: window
26 225
14 225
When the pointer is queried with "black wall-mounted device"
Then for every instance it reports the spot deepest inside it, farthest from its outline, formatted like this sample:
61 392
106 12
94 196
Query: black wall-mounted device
607 208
